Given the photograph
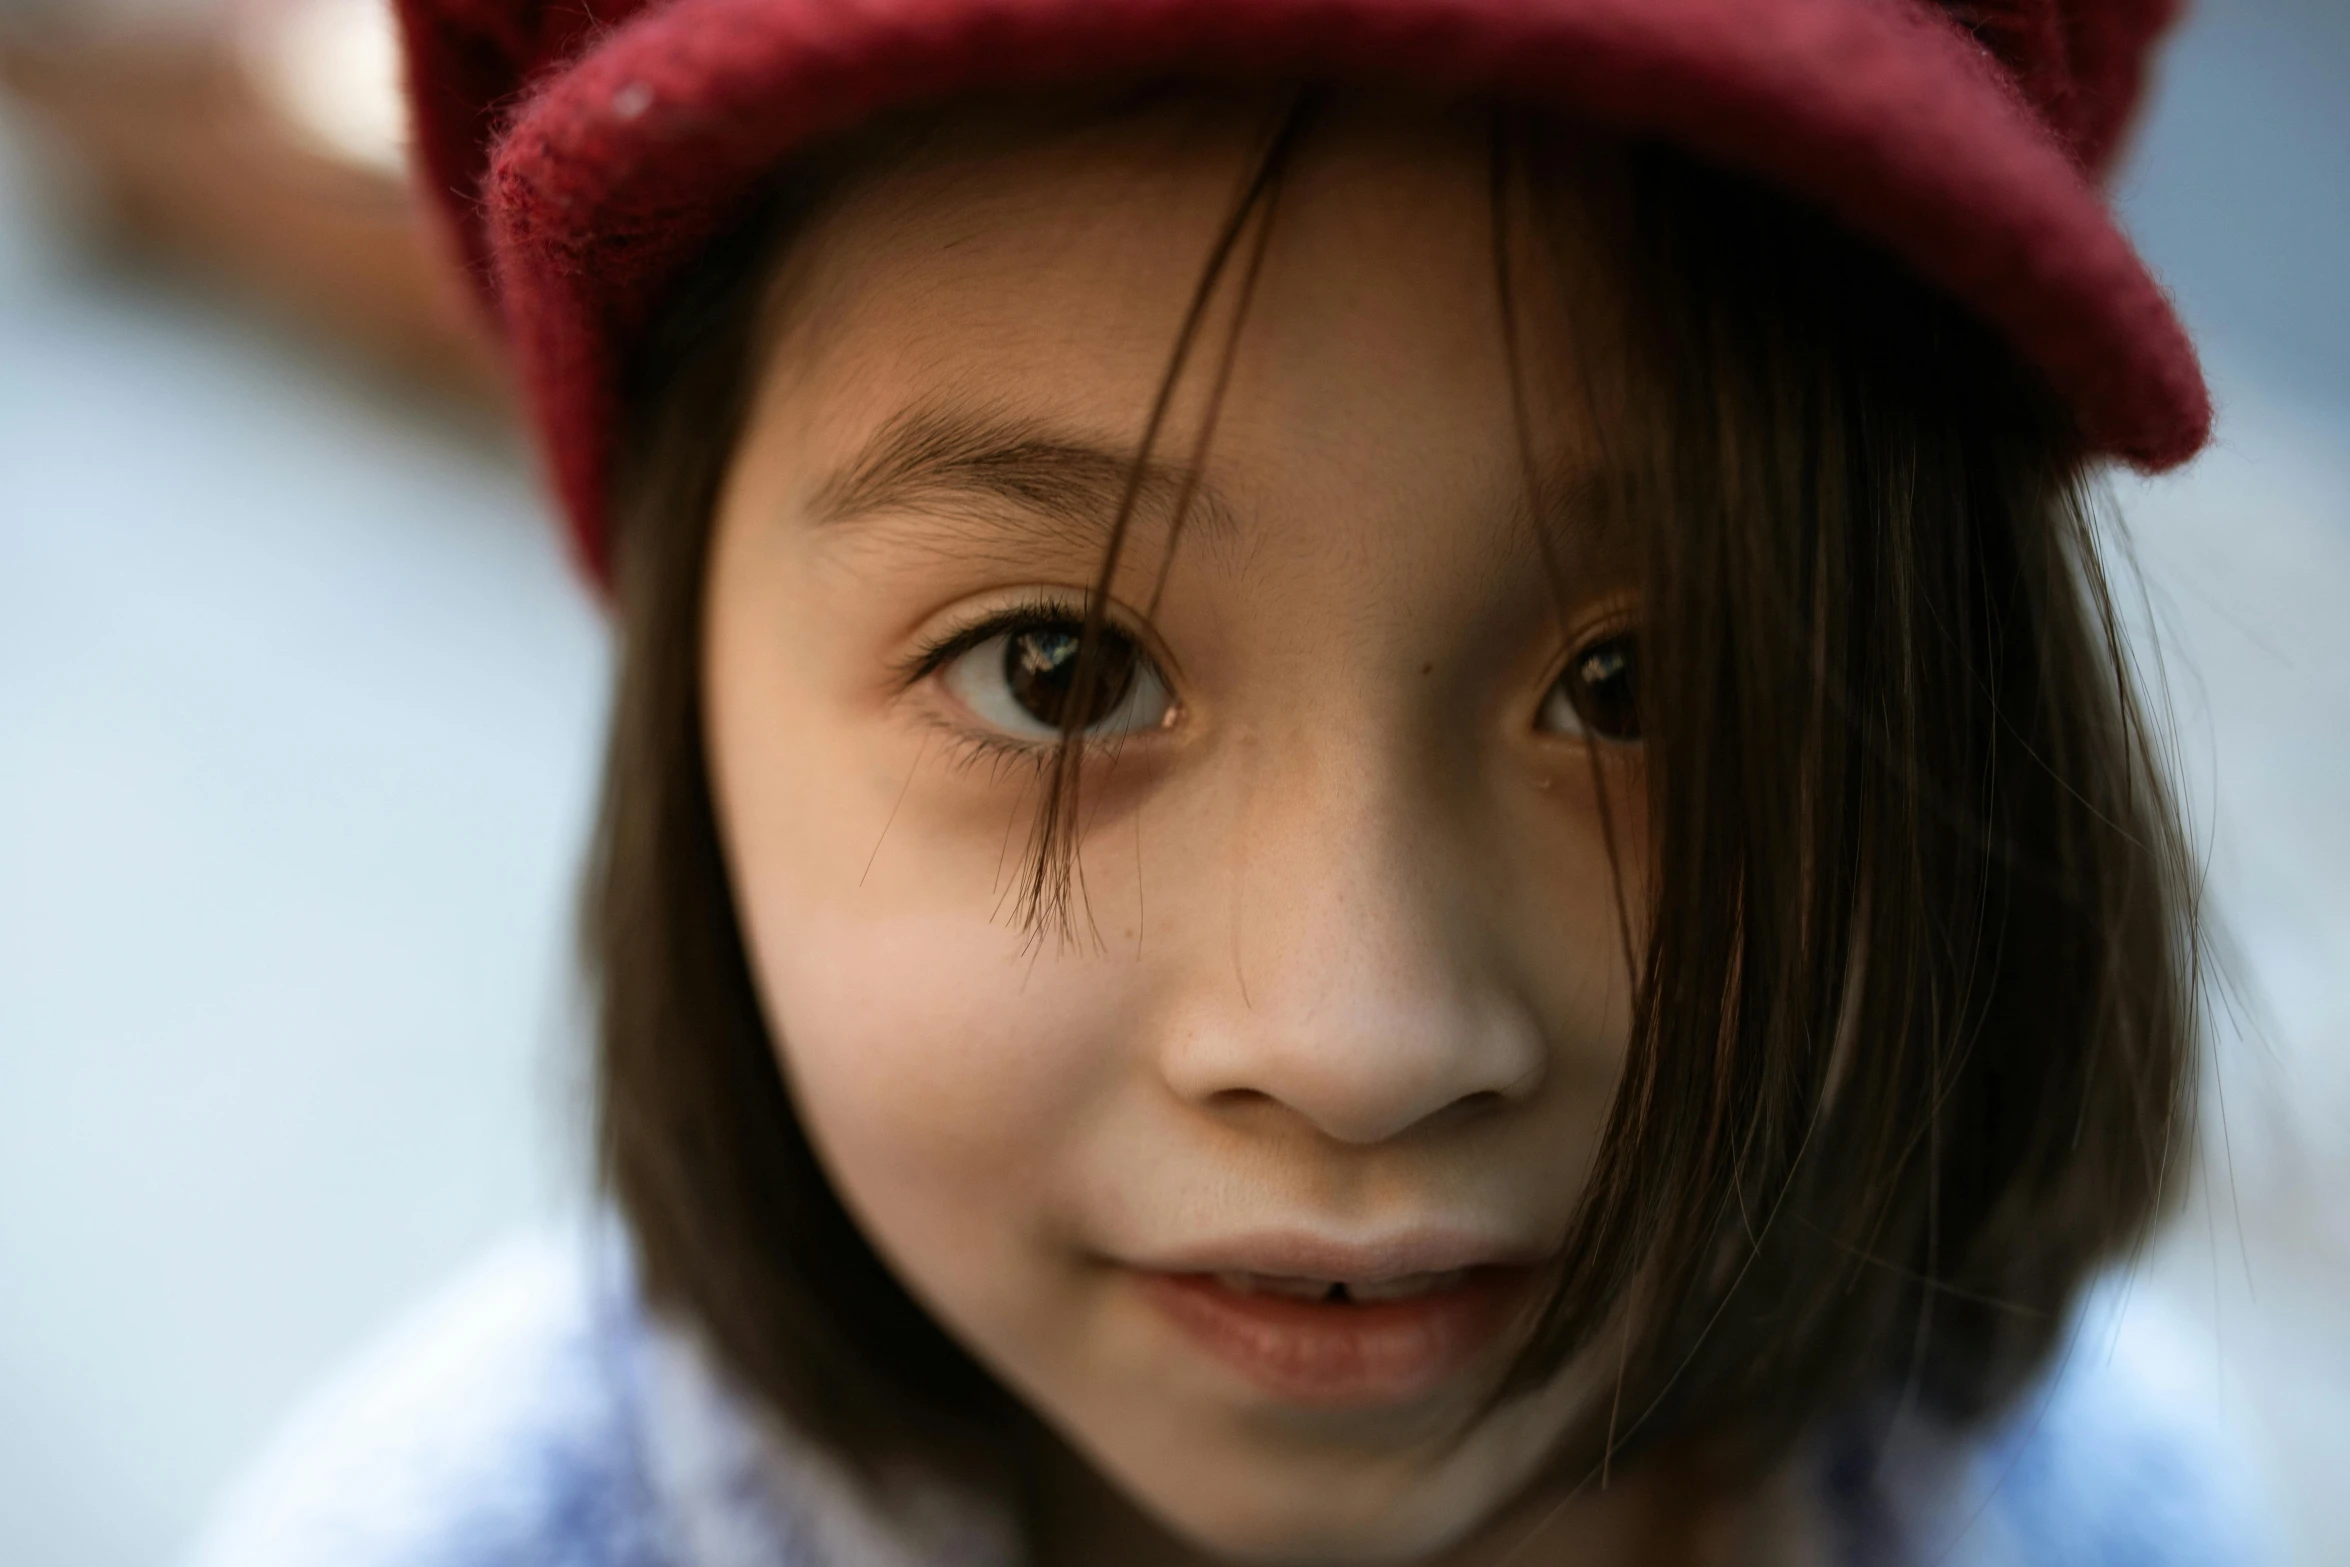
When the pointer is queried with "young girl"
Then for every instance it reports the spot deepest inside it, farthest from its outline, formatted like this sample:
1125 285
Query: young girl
1372 801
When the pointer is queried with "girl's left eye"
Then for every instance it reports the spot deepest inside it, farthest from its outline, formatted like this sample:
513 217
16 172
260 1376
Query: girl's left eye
1598 695
1021 680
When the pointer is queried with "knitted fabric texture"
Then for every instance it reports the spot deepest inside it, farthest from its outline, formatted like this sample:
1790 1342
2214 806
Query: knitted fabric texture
584 152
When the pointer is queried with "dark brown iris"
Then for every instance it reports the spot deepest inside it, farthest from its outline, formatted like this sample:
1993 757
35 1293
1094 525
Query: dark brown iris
1603 686
1041 668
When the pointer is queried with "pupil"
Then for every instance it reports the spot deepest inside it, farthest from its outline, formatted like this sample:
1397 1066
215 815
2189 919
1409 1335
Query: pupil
1606 690
1041 667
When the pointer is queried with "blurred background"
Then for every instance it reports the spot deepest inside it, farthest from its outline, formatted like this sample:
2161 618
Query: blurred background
299 711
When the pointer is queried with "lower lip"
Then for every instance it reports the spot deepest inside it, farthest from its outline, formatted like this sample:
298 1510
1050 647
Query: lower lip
1344 1355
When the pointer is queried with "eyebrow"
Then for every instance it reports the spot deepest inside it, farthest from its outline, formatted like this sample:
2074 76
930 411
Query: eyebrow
1061 490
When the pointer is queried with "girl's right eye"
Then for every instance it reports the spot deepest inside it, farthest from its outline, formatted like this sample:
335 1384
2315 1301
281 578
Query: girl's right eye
1021 679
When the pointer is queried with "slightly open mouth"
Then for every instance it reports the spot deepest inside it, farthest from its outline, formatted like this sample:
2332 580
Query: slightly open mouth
1410 1286
1344 1342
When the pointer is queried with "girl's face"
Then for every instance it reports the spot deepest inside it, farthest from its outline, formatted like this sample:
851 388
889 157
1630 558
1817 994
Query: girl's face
1243 1180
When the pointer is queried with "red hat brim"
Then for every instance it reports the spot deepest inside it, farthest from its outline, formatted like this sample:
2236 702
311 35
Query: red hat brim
584 165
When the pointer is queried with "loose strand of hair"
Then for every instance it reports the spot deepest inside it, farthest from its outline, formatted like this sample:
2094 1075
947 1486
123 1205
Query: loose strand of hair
1594 1280
1053 880
1506 164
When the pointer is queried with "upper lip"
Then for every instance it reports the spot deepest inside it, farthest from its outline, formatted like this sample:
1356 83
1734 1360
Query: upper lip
1365 1260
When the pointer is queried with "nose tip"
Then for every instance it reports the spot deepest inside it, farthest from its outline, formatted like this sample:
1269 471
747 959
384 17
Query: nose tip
1363 977
1378 1064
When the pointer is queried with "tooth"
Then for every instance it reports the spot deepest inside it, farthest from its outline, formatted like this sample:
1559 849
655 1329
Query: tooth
1238 1283
1296 1289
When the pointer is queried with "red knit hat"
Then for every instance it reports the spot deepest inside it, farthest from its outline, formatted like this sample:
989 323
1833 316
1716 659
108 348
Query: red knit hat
586 150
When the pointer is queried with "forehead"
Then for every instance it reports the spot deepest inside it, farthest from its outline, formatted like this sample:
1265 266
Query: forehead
1043 275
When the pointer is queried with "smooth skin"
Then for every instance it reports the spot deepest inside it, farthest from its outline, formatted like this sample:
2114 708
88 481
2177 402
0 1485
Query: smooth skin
1346 960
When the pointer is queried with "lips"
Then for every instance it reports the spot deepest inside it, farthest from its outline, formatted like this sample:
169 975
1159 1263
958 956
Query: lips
1410 1286
1332 1341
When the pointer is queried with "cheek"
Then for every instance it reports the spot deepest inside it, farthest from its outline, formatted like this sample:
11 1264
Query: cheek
1571 872
914 1052
936 1062
944 1067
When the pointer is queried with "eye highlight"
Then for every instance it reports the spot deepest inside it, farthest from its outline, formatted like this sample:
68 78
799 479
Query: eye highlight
1597 696
1017 675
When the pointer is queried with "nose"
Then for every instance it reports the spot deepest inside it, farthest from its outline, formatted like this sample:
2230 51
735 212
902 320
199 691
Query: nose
1366 989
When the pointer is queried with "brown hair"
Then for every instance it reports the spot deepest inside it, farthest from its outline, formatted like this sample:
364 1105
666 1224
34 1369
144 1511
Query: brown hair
1915 1031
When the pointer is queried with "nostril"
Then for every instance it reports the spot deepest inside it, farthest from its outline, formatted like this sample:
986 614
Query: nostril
1247 1105
1477 1106
1364 1073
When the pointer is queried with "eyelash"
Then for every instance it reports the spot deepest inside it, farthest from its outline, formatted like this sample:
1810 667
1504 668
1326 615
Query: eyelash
1026 614
974 748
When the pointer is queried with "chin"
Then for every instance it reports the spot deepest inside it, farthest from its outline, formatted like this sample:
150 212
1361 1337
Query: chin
1322 1541
1301 1524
